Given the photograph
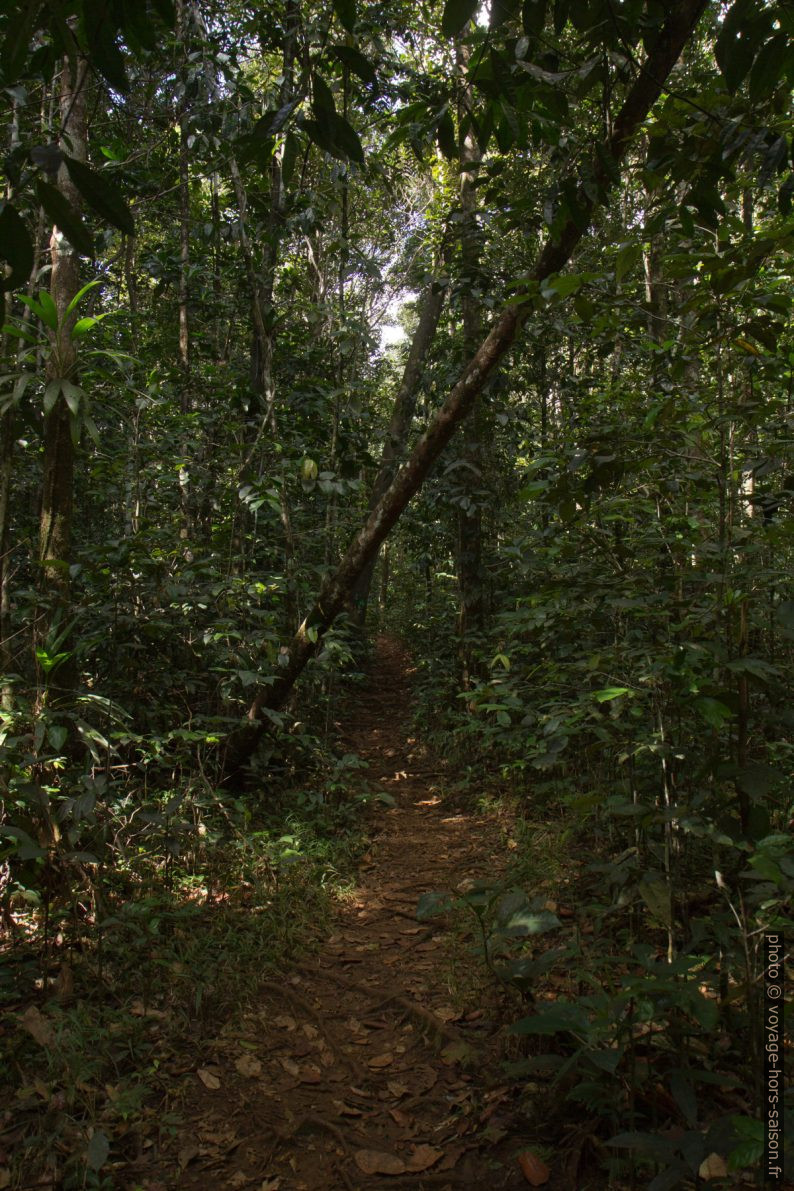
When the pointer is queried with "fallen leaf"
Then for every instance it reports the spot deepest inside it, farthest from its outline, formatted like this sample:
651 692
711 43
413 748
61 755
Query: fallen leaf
240 1179
376 1162
400 1118
424 1157
397 1089
347 1110
138 1009
310 1075
208 1079
249 1066
384 1060
271 1184
534 1171
38 1026
713 1167
188 1152
457 1052
290 1067
285 1022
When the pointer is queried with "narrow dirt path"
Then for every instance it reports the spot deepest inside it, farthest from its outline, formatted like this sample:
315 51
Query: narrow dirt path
355 1072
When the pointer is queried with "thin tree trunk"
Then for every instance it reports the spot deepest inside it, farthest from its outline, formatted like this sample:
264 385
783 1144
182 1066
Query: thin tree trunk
556 253
470 547
55 526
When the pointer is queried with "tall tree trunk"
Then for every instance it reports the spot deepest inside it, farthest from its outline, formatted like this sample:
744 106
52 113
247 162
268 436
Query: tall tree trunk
55 527
335 592
470 547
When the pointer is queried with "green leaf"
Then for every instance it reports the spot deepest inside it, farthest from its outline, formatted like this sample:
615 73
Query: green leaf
610 692
734 49
322 98
102 194
529 922
51 394
533 17
445 135
561 286
346 13
272 122
72 395
49 310
75 302
712 711
656 895
356 62
105 52
562 1018
346 140
65 218
768 68
98 1150
456 15
430 905
16 46
16 247
57 734
627 258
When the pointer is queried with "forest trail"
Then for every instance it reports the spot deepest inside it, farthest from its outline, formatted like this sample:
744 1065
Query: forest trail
354 1071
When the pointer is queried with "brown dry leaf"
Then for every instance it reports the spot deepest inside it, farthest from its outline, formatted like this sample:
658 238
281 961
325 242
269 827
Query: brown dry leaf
424 1157
38 1026
188 1152
713 1167
400 1118
311 1075
384 1060
397 1089
285 1022
138 1009
249 1066
446 1013
457 1052
377 1162
347 1110
240 1179
290 1067
533 1169
271 1184
208 1079
5 1177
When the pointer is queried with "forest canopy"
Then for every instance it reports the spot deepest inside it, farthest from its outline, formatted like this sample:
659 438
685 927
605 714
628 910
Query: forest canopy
468 324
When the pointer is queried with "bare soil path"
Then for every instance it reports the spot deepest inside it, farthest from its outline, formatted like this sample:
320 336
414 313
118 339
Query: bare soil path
356 1070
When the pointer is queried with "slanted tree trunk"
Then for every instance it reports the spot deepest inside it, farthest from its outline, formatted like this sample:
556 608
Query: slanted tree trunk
556 253
55 526
396 442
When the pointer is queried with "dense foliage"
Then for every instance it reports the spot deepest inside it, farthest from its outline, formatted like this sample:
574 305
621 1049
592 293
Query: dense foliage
280 233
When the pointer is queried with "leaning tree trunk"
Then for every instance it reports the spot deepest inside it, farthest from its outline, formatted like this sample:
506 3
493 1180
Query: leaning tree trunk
403 409
556 253
55 526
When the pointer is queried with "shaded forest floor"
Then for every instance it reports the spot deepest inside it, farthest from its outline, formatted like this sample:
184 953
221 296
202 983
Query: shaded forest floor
360 1066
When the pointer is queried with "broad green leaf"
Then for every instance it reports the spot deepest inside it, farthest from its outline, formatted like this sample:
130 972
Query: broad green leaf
49 310
560 1018
51 394
356 62
346 140
445 135
98 1150
656 896
75 302
64 216
610 692
456 15
102 194
16 247
346 12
